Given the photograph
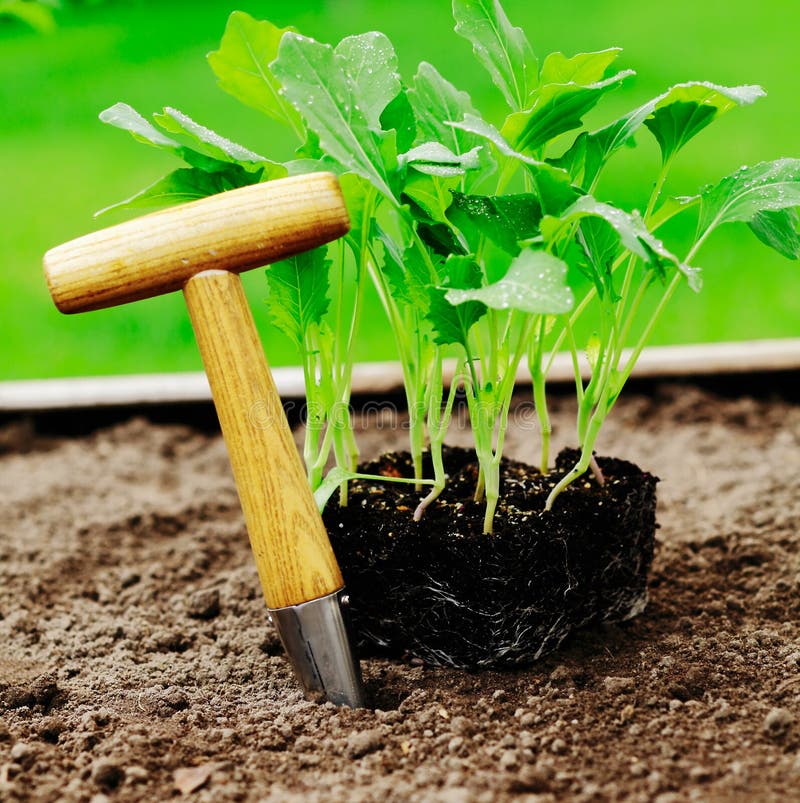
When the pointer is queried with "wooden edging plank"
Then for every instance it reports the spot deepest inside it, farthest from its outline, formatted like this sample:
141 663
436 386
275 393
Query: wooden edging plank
380 378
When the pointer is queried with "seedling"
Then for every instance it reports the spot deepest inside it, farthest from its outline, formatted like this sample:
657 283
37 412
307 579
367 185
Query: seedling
485 239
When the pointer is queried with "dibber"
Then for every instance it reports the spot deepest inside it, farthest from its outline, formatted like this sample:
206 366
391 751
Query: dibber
200 248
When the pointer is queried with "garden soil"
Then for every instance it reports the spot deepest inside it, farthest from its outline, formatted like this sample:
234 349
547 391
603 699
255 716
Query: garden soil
137 662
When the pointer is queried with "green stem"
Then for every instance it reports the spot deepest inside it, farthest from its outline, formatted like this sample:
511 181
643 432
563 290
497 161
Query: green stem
540 396
578 470
657 187
506 174
492 481
341 459
637 350
630 318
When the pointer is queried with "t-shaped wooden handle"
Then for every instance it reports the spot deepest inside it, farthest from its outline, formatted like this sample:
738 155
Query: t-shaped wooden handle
200 247
160 252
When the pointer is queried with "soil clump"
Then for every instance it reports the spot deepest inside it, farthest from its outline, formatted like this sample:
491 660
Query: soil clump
442 590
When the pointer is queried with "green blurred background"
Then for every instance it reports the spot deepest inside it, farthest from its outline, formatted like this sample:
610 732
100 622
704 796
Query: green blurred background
59 164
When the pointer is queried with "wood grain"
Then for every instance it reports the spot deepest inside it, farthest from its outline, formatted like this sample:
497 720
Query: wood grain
292 552
234 231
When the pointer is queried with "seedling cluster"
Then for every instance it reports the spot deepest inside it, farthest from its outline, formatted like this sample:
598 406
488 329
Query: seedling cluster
486 240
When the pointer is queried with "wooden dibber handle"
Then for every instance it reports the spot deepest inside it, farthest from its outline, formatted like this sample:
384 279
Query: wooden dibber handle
294 557
235 231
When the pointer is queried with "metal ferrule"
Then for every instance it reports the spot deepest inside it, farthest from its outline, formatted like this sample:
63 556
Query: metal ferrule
316 639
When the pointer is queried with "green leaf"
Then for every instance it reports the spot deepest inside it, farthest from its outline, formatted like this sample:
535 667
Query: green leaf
502 49
315 83
123 116
298 292
553 184
409 276
435 159
435 102
476 125
686 109
582 69
778 230
399 116
242 67
451 323
535 283
556 108
370 63
504 219
431 193
589 153
187 184
197 145
440 239
765 187
629 227
203 139
600 245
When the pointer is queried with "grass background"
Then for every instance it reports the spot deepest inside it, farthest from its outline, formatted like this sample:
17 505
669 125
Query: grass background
58 164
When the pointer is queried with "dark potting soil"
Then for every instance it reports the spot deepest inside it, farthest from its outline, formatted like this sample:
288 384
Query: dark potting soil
442 590
138 664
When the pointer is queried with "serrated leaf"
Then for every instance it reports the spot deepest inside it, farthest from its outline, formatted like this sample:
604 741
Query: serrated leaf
535 283
501 48
186 184
315 83
629 227
399 116
435 159
765 187
298 292
452 324
556 108
242 66
504 219
583 68
369 61
778 230
686 109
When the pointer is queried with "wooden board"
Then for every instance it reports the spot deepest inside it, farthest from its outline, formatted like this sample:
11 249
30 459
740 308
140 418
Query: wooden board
377 378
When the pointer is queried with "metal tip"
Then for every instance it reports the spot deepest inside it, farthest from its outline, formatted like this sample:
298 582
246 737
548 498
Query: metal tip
316 639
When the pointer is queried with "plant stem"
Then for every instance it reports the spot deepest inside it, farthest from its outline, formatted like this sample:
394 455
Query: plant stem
492 480
438 424
637 350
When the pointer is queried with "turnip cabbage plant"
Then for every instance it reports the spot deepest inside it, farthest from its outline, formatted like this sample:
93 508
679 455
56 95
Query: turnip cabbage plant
486 240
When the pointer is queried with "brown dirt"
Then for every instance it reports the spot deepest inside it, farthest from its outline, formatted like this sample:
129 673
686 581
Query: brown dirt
137 660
